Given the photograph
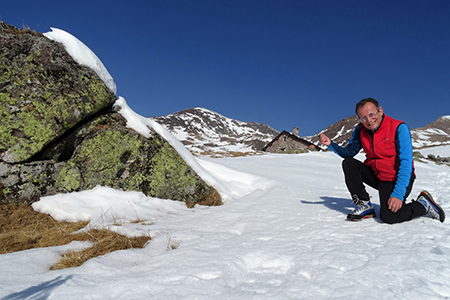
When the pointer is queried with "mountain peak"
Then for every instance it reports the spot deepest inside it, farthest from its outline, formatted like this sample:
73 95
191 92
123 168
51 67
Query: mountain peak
434 134
204 131
340 132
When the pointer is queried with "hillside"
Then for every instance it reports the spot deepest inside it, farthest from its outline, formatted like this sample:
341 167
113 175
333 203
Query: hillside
340 132
203 131
434 134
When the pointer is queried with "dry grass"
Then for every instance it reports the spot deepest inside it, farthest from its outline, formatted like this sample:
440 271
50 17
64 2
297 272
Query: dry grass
213 199
22 228
105 241
24 30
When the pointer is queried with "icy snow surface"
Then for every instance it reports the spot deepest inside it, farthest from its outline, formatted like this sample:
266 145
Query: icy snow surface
282 236
82 55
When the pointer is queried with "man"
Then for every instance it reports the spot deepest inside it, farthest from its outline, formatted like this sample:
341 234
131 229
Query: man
388 167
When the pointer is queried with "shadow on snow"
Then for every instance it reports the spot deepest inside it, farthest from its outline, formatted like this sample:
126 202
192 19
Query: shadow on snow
341 205
40 291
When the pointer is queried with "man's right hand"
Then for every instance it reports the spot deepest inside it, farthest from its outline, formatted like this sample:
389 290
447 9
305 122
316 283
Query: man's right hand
324 140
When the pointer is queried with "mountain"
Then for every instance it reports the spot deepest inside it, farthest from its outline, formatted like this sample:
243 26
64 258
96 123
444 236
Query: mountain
203 131
340 132
434 134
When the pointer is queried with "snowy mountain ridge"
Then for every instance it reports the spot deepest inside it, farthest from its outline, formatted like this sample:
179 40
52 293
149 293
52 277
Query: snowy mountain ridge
340 132
203 131
434 134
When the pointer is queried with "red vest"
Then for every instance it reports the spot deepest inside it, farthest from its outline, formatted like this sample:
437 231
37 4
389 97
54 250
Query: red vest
381 150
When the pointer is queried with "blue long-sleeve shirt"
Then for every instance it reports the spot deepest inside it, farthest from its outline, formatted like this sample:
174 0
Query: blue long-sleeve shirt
404 152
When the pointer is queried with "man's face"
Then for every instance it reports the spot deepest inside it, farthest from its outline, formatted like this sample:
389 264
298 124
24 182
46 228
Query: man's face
369 116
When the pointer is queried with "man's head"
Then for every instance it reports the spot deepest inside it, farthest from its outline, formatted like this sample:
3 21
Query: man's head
369 112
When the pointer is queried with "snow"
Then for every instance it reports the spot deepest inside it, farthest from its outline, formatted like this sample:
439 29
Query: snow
282 235
442 151
82 55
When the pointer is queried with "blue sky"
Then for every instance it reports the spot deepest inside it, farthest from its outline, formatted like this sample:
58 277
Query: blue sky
282 63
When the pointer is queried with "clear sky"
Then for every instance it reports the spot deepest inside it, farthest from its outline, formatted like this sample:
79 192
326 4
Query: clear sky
278 62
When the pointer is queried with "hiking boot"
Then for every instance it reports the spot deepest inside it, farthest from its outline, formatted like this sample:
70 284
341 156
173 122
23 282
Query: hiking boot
432 209
364 209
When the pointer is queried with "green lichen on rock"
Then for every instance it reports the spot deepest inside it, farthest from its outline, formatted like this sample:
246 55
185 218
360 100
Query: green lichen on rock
105 152
6 137
115 156
43 93
172 176
102 157
69 178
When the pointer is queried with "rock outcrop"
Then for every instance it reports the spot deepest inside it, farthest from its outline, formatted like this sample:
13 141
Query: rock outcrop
43 93
59 132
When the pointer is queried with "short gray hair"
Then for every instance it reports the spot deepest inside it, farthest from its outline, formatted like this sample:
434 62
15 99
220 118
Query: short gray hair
364 101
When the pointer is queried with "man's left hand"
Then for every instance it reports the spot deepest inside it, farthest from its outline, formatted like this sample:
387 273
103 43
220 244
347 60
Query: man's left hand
394 204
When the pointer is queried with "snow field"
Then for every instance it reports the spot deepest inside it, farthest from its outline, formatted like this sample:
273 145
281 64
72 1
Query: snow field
283 235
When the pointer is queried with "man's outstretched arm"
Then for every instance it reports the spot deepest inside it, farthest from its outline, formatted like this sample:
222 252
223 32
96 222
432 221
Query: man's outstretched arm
353 147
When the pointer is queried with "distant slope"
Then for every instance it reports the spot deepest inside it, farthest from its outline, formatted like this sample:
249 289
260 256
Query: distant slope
434 134
203 131
340 132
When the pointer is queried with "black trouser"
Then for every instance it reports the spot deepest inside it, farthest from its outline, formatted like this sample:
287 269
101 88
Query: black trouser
357 174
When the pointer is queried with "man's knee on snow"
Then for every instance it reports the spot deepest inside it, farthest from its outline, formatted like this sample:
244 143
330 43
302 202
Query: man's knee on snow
388 218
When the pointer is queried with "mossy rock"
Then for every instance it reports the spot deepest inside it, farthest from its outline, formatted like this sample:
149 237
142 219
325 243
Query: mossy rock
58 135
105 152
43 93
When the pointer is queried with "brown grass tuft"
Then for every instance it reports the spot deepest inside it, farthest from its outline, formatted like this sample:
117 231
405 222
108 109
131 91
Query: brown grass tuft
105 241
213 199
22 228
25 30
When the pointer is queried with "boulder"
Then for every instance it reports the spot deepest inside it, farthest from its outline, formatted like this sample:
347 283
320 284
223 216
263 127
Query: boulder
59 132
105 152
43 93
